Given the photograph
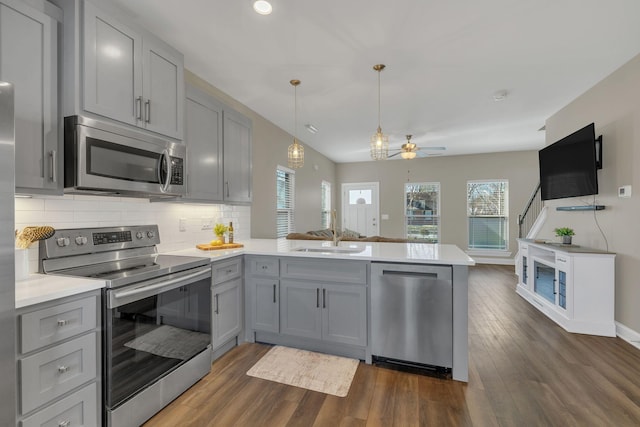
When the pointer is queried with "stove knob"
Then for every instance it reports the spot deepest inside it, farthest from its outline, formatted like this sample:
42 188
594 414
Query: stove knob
81 240
151 234
63 241
139 235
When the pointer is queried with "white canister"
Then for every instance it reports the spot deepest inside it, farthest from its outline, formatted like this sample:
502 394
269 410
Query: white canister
22 264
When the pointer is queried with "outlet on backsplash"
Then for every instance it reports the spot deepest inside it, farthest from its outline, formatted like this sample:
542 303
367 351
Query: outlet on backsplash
207 223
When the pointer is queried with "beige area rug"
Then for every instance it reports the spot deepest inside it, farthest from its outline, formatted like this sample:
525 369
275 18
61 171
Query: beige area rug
314 371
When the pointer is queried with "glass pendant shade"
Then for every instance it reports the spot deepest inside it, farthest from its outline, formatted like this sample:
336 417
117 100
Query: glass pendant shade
408 155
379 145
295 155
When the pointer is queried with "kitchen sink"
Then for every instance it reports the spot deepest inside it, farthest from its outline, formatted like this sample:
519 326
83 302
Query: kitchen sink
330 250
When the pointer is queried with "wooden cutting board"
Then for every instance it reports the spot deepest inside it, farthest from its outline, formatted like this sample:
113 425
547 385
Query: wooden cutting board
209 247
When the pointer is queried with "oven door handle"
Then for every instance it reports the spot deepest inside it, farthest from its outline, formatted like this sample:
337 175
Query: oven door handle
140 290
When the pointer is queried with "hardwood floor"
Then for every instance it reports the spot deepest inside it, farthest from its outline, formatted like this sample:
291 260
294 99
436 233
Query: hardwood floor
524 370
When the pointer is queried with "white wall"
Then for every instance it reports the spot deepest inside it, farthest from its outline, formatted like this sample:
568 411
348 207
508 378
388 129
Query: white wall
614 106
76 211
520 168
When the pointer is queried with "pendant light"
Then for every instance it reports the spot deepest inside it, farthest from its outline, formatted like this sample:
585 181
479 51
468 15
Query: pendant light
379 141
296 150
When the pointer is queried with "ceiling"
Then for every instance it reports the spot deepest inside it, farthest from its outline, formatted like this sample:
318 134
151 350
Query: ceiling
445 61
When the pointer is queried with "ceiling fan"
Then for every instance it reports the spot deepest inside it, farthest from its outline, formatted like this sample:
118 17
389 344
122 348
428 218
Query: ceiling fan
410 150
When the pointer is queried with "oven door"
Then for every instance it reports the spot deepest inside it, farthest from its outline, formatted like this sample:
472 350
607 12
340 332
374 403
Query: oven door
121 162
152 328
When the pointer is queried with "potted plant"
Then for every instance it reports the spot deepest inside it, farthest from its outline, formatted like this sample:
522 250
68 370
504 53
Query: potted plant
565 233
219 231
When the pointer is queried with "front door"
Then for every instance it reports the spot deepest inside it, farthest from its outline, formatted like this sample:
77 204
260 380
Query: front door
360 208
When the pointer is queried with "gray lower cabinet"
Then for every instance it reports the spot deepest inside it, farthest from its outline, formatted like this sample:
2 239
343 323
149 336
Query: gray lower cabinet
29 60
59 362
310 303
265 305
330 312
227 302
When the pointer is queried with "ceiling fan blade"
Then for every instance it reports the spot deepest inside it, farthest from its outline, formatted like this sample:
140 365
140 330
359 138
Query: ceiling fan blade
434 148
393 155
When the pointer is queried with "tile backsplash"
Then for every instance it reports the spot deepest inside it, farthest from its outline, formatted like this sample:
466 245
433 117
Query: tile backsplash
78 211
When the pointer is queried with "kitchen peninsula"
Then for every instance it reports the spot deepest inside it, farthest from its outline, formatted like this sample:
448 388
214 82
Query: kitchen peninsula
313 295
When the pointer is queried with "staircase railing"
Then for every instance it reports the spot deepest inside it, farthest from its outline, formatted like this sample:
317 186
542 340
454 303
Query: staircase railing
528 217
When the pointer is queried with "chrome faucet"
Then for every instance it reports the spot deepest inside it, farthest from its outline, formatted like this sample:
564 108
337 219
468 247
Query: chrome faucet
334 230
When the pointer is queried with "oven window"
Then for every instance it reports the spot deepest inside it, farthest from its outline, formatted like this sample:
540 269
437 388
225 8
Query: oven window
148 338
121 162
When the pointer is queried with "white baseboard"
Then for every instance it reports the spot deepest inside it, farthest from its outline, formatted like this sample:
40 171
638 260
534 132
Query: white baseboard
628 334
499 261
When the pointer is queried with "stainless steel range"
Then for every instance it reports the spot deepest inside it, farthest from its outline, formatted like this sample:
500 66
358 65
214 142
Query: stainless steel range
156 314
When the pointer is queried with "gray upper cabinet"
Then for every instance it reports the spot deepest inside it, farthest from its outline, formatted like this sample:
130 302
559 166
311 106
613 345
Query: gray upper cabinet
237 130
29 60
112 67
120 71
219 150
203 136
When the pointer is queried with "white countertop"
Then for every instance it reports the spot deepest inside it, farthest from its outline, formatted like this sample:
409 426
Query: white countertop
41 288
420 253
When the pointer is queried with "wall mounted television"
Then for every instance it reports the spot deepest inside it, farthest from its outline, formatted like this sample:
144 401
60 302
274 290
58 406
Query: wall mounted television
568 167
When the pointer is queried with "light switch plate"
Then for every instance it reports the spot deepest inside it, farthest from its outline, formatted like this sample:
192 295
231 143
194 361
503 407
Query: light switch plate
624 191
182 224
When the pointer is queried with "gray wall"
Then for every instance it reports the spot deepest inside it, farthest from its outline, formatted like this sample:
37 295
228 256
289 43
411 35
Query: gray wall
614 106
453 172
270 145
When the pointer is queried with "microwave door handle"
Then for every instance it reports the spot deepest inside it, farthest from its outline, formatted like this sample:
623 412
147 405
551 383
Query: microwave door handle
166 159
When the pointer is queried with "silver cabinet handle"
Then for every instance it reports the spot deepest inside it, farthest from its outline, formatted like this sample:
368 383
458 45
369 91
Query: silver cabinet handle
147 111
53 173
324 298
64 423
274 293
62 369
227 184
62 322
139 108
216 311
318 297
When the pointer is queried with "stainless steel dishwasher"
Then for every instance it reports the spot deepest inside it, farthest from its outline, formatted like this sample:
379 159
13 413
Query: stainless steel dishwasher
412 315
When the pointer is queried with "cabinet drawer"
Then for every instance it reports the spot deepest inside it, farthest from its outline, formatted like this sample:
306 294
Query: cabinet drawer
50 325
77 409
325 270
227 270
264 266
57 370
563 261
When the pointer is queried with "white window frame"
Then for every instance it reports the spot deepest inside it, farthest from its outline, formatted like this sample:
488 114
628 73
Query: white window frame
479 249
434 217
325 204
285 216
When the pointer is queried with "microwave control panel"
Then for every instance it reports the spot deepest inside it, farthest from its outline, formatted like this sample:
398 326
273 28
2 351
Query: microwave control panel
177 171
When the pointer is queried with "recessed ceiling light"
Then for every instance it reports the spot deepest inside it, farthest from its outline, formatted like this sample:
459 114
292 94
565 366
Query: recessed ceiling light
263 7
311 128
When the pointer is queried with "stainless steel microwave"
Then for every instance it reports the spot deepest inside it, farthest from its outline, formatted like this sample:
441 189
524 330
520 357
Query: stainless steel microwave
107 159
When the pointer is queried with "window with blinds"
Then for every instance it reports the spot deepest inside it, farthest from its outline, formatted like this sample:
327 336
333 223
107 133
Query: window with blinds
488 214
422 211
285 186
325 204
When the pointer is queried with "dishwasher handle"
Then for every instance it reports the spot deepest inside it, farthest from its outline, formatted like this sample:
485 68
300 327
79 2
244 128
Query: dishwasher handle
409 274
